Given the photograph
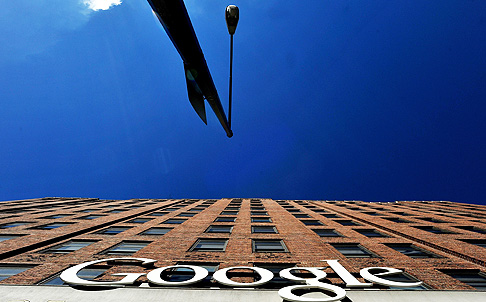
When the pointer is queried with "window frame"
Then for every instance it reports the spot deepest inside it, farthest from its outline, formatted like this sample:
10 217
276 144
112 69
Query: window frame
194 247
255 248
110 252
226 226
269 227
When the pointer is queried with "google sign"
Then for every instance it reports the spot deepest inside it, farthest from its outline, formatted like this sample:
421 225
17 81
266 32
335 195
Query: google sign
375 275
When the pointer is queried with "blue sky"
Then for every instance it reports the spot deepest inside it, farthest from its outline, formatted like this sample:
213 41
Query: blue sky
364 100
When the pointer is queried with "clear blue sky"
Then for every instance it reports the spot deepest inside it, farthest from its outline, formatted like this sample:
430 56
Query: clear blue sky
366 100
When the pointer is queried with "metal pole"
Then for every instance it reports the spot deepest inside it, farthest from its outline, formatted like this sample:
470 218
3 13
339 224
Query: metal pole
230 82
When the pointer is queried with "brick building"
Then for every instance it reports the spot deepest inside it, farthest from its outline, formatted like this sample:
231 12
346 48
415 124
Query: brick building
442 244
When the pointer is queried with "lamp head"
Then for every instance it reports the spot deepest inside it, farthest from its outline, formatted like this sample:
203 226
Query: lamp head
232 16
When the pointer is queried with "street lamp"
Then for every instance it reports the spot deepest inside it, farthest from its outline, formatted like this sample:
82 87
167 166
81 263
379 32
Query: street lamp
232 15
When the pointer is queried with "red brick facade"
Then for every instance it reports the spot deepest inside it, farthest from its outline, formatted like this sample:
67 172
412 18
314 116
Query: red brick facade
453 233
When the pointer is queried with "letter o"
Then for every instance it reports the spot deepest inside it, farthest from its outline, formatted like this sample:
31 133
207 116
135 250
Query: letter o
286 292
199 274
221 277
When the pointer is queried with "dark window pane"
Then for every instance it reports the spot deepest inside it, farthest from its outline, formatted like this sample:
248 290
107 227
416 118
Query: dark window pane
113 230
52 226
347 222
261 219
175 221
231 213
209 245
68 247
261 245
126 248
156 231
263 229
8 271
411 250
13 225
259 213
312 222
225 219
327 233
140 220
219 229
370 233
8 237
352 250
301 216
472 278
434 230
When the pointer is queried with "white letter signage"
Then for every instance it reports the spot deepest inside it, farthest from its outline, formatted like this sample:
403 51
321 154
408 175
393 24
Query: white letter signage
199 274
365 273
71 274
221 277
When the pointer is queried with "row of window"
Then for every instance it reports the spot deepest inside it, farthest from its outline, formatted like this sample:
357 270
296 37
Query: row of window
350 250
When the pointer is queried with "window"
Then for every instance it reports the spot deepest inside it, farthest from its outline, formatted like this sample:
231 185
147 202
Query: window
478 242
113 230
473 278
301 216
259 213
68 247
8 237
268 246
261 219
370 233
231 213
327 233
195 210
472 229
85 273
56 216
159 213
432 229
52 226
352 250
264 229
126 248
396 219
87 211
8 271
174 221
411 250
140 220
156 231
257 208
372 213
331 216
312 222
209 245
219 229
13 225
91 217
116 211
225 219
347 222
232 208
186 214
